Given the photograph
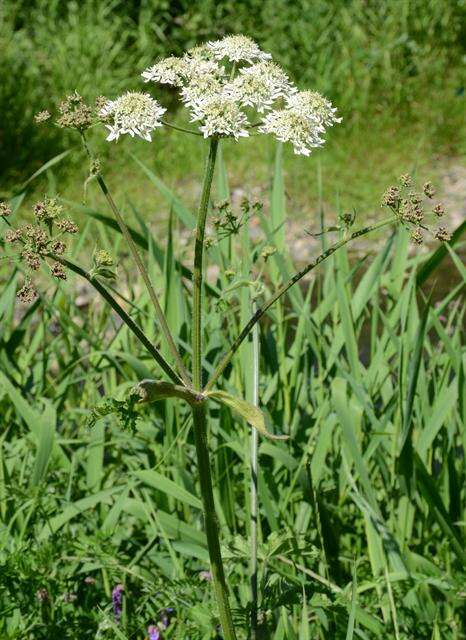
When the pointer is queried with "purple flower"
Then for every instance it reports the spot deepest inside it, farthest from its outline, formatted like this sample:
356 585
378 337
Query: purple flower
117 601
166 615
205 575
154 633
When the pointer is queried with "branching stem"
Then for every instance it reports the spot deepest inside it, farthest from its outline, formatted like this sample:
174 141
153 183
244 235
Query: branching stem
282 290
143 271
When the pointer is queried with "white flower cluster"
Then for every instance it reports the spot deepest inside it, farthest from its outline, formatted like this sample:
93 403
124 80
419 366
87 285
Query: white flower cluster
229 86
135 113
236 49
221 116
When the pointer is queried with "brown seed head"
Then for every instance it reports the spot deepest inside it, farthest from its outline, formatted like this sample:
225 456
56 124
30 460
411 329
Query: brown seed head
5 210
58 271
442 234
416 236
429 189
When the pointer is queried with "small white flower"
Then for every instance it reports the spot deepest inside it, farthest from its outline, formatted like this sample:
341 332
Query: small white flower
167 71
313 105
237 48
201 88
197 68
135 113
220 116
260 85
289 126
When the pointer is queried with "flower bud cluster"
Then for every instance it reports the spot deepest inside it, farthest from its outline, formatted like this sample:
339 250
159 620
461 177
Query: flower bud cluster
228 223
41 241
413 208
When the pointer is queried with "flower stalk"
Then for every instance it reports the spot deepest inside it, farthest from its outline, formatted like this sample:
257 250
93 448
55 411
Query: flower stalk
143 272
199 410
282 290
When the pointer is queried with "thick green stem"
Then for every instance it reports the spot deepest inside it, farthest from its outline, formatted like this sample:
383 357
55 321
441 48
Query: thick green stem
282 290
198 272
254 472
199 410
210 520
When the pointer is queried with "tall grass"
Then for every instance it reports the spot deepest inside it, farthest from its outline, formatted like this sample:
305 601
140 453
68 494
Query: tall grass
361 512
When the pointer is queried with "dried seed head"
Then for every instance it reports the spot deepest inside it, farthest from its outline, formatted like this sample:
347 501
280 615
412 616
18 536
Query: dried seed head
415 198
13 235
100 103
58 247
391 197
442 234
405 180
416 236
58 271
75 113
429 190
42 116
47 210
68 226
32 259
5 210
27 294
439 210
410 212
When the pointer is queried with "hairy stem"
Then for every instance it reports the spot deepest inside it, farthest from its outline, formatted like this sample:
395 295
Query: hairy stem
144 274
176 127
125 317
210 520
199 410
226 358
198 270
254 471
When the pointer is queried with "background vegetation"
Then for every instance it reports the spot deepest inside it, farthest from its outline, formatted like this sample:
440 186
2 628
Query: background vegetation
395 70
356 540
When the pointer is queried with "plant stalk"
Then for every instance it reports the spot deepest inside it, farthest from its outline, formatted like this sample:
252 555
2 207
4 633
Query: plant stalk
143 271
125 317
210 520
198 270
199 409
226 358
254 471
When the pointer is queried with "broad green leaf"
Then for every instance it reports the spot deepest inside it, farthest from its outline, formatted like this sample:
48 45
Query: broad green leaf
252 414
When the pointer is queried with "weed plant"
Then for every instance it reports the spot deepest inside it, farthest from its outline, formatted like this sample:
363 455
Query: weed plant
346 517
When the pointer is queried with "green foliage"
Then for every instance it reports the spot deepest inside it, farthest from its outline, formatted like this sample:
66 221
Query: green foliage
353 366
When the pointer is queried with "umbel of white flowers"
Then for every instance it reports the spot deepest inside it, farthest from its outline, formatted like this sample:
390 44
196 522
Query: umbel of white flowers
230 87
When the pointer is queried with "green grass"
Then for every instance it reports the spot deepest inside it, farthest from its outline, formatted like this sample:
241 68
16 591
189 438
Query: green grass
357 539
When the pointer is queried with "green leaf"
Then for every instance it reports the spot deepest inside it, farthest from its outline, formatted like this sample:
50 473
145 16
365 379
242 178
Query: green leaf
178 207
253 415
167 486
